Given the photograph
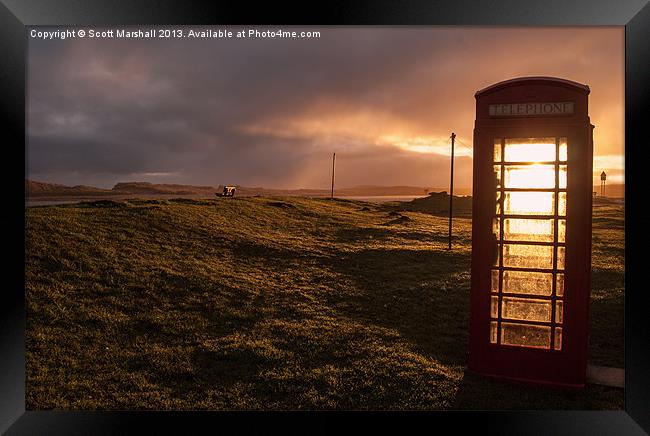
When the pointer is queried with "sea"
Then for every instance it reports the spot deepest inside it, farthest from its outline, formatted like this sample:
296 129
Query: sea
382 198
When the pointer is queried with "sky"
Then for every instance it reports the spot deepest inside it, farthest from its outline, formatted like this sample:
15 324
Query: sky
271 111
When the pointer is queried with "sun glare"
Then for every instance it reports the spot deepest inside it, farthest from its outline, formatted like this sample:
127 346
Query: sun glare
427 145
530 150
529 164
530 176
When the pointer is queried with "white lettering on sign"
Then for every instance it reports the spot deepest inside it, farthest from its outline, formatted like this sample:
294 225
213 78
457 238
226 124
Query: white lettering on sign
528 109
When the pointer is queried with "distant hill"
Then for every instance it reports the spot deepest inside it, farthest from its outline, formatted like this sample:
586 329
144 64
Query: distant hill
41 189
151 188
438 203
34 189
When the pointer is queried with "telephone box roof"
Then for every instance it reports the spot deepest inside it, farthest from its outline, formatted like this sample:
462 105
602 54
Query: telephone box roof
533 80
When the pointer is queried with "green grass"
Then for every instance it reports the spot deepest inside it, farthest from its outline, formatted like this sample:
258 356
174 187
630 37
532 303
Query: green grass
273 303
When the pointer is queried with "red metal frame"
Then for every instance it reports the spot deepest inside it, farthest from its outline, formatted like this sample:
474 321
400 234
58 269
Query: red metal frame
565 367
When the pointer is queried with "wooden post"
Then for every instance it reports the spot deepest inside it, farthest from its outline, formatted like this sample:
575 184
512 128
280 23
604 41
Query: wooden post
451 186
333 161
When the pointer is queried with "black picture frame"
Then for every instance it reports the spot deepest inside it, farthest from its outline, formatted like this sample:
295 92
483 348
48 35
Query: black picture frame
15 15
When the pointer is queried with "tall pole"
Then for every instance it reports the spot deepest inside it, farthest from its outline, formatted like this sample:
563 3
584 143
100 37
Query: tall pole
451 185
333 161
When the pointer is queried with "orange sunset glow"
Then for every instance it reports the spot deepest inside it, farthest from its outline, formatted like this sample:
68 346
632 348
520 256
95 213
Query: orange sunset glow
384 99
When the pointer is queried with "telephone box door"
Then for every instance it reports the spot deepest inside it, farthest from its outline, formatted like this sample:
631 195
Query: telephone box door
531 237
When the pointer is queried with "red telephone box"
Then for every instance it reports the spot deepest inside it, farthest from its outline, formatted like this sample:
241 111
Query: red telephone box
531 231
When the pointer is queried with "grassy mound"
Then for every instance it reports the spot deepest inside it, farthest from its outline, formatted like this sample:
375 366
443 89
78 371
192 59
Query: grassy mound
272 303
437 203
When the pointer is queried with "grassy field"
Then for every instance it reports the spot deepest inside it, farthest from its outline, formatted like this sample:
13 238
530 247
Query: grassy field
273 303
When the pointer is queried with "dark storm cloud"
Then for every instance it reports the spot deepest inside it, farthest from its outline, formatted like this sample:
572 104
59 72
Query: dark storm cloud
270 112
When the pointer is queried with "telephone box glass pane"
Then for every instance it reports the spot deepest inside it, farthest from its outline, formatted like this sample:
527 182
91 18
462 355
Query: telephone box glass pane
558 338
526 309
562 177
561 231
526 335
561 206
563 150
496 255
558 312
528 256
495 280
528 282
530 150
494 307
493 332
496 222
560 257
559 285
497 175
497 150
529 203
521 229
531 176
